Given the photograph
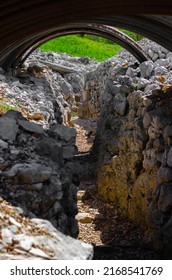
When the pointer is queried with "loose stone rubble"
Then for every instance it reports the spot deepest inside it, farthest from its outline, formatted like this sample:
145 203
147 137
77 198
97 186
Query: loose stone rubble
22 238
132 103
124 64
37 170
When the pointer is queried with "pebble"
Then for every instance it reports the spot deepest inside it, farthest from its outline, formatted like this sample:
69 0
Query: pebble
23 242
7 236
14 222
38 253
84 218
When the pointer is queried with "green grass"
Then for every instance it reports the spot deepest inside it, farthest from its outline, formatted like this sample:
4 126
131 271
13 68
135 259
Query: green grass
134 36
82 46
6 107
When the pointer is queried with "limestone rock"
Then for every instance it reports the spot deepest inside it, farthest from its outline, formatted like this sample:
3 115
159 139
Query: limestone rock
30 126
8 129
3 145
50 148
64 133
120 103
165 198
23 242
29 173
146 68
165 174
7 236
84 218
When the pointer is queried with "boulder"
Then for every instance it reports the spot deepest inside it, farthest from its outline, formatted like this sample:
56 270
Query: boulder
8 129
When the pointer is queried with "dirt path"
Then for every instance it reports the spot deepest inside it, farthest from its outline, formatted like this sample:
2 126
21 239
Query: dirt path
100 223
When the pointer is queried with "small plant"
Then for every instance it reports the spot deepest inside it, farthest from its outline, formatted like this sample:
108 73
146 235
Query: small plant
74 114
134 86
6 107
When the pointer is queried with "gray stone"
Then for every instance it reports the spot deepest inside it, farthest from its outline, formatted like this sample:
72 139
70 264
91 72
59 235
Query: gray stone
150 87
33 173
23 242
147 120
68 152
8 129
155 57
154 132
131 72
50 148
165 198
160 70
157 122
39 253
29 173
32 187
12 114
13 170
162 62
120 103
14 222
146 69
167 132
3 145
169 158
142 83
165 174
7 236
64 133
64 247
30 126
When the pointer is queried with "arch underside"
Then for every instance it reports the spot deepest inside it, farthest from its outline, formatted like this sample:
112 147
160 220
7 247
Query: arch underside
25 23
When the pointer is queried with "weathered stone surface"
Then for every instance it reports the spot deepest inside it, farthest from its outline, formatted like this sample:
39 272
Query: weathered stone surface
84 218
146 68
64 133
169 158
37 239
69 152
3 145
120 103
50 148
165 198
23 242
30 126
165 174
29 173
14 222
7 236
8 129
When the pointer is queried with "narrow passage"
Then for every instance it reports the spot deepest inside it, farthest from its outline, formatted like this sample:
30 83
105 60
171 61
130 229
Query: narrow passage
100 223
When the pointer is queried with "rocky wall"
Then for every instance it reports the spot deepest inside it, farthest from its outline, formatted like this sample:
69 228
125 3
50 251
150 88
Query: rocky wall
95 79
37 170
38 175
133 146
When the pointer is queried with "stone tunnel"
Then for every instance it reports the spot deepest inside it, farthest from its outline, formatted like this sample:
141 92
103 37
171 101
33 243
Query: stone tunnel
132 148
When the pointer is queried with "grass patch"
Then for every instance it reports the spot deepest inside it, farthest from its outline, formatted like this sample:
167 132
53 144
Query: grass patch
5 107
82 46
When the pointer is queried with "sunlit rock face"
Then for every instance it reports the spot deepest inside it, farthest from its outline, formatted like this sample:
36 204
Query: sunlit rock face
133 143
